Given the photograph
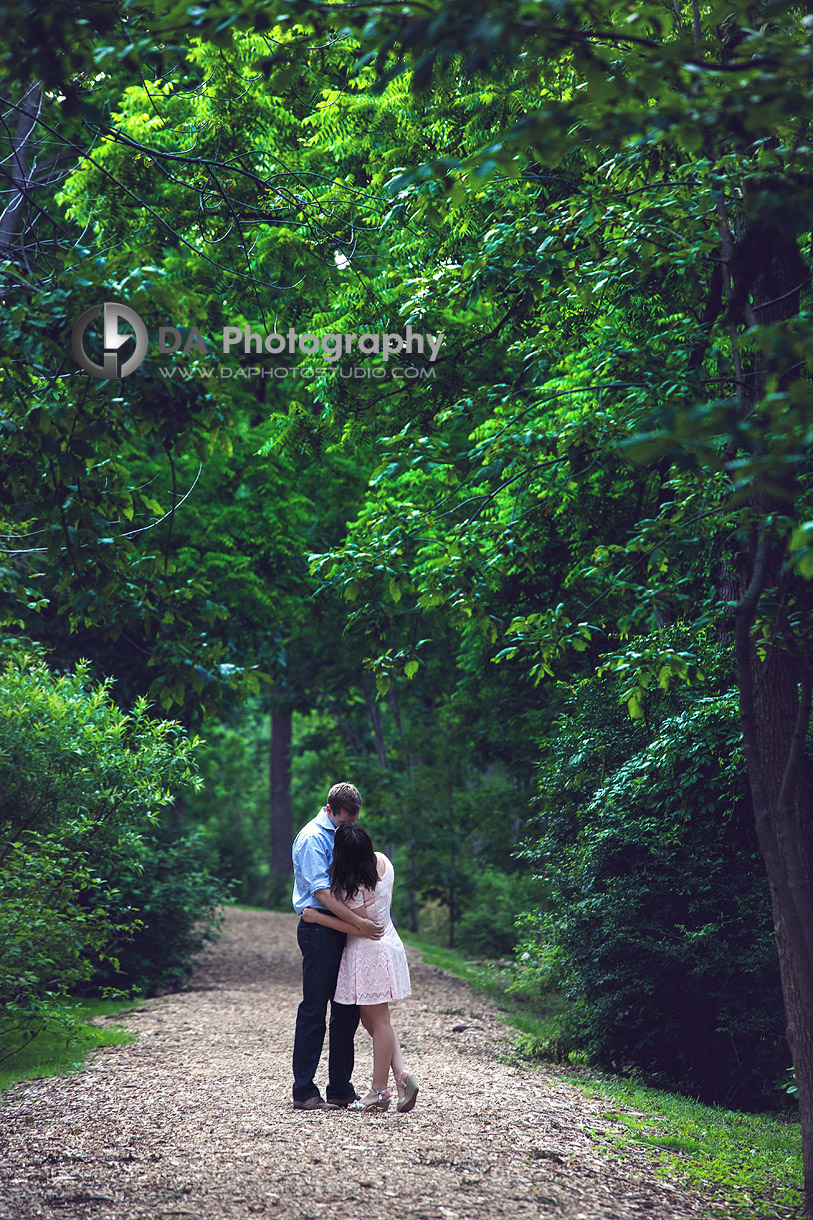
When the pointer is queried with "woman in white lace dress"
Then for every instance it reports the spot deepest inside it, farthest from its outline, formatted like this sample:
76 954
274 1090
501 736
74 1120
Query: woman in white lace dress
372 972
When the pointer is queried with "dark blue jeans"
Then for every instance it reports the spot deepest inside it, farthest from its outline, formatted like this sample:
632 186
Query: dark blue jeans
321 953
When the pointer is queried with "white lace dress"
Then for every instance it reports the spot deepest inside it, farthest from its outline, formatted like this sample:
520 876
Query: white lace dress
374 971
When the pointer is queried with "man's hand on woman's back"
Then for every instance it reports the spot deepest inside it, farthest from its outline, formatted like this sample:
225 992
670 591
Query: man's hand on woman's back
370 930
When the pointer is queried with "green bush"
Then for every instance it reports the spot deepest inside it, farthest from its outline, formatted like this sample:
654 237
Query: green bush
178 905
659 925
82 786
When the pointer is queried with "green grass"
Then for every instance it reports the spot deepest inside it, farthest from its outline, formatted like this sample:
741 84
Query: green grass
444 959
535 1018
750 1162
50 1054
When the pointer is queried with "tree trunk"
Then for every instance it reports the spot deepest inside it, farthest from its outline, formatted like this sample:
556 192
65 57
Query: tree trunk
452 856
399 725
775 676
281 814
452 897
374 713
775 700
177 814
20 170
350 735
775 714
412 910
725 583
411 845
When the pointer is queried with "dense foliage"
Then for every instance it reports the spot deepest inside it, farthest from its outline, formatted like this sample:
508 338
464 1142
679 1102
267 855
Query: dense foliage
83 868
658 924
453 844
178 909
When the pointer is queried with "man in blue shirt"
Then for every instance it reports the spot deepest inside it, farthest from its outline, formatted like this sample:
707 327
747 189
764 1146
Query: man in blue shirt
321 949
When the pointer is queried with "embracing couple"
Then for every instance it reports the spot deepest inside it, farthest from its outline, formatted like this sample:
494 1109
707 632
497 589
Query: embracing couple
351 956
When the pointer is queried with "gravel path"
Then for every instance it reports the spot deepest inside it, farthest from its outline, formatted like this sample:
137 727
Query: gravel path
195 1117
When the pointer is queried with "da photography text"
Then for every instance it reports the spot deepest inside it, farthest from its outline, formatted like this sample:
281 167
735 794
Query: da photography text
172 339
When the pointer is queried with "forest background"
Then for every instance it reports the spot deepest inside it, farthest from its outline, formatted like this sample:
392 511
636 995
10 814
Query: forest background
544 598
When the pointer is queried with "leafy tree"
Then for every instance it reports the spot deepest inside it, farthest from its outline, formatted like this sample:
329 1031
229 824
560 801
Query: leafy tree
169 599
86 542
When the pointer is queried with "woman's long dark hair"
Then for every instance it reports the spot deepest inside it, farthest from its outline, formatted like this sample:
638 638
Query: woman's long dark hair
354 863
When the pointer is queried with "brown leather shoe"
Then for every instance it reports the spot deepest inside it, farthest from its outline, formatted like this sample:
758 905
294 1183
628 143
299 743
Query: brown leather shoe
343 1102
315 1103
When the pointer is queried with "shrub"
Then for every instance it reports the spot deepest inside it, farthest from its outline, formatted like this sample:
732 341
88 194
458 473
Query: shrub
178 907
659 925
82 786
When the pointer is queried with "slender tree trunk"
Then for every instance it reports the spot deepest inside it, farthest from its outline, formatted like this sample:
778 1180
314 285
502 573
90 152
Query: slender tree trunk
412 909
20 168
374 713
411 893
281 813
178 813
350 735
452 857
452 896
399 725
725 583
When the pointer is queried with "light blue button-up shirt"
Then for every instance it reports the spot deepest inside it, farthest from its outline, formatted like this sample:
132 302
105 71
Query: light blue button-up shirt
312 856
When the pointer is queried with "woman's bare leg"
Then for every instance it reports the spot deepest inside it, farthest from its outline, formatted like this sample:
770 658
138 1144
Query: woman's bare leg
376 1018
365 1020
397 1064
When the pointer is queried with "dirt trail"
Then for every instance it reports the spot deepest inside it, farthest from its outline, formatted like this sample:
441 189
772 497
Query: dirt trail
195 1118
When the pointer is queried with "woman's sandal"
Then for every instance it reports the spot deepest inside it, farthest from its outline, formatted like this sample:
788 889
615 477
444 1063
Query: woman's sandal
410 1084
382 1101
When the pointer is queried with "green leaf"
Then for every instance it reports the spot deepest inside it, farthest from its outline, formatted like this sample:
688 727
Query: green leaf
635 706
